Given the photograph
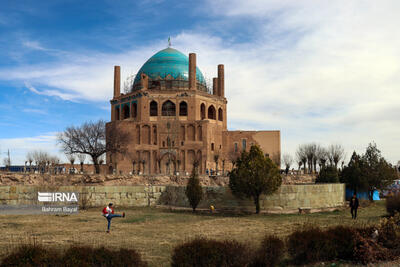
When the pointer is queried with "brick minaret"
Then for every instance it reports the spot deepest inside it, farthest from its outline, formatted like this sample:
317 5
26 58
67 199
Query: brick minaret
215 86
144 80
221 80
192 71
117 81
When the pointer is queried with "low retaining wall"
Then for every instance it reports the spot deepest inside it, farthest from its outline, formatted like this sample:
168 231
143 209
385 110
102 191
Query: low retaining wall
287 198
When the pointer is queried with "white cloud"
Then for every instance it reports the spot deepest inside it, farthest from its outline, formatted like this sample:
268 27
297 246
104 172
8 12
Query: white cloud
35 45
50 92
33 110
20 146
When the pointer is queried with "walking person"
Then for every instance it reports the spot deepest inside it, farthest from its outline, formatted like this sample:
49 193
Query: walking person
108 212
354 206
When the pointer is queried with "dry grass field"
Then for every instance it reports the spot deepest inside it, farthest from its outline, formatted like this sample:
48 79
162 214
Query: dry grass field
155 231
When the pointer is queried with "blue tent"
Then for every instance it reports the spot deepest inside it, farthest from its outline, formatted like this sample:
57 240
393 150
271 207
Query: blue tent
362 194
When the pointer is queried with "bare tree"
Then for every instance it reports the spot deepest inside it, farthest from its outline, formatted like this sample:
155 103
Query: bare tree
71 159
29 159
335 154
133 159
7 162
41 158
287 160
233 156
301 156
158 160
144 165
321 156
310 150
299 164
90 139
54 162
81 158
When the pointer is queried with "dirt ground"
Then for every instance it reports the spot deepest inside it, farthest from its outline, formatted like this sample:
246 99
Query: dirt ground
156 231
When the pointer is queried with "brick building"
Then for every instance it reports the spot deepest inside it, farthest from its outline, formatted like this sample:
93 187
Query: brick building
170 119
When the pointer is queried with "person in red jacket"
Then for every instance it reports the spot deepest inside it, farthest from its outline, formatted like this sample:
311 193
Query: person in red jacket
108 212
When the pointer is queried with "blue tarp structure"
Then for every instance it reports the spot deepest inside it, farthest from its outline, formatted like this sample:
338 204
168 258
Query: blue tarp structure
362 195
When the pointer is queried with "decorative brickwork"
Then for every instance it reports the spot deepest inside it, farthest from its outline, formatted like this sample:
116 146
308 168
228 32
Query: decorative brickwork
173 119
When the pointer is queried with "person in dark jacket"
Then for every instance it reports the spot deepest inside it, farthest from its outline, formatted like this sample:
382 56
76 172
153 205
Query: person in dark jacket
354 206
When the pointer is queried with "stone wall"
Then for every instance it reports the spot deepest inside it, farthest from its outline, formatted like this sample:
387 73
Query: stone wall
288 198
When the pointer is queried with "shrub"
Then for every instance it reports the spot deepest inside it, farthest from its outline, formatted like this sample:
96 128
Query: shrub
309 245
367 251
270 253
389 232
88 256
328 174
205 252
393 204
340 242
343 240
31 255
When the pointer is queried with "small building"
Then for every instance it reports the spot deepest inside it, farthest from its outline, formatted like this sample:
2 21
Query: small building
170 119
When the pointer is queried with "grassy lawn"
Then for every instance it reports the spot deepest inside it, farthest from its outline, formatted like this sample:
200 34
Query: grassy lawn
155 231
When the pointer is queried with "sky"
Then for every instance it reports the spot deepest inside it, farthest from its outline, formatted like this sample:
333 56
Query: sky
318 71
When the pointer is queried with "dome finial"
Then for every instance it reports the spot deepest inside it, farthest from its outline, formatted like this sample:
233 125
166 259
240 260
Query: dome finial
169 41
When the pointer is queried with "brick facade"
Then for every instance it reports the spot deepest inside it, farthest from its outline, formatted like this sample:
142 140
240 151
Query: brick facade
170 123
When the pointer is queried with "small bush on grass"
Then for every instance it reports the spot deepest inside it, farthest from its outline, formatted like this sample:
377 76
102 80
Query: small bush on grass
389 232
340 242
205 252
31 255
393 204
309 245
270 253
367 251
88 256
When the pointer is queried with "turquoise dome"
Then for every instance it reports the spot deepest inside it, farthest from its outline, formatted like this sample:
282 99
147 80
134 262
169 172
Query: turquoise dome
166 62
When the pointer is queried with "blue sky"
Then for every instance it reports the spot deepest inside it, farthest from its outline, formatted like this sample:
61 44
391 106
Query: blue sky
319 72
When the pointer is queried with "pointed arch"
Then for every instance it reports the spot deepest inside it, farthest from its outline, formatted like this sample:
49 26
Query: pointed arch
183 109
125 112
211 112
117 113
202 111
168 108
220 114
153 108
134 110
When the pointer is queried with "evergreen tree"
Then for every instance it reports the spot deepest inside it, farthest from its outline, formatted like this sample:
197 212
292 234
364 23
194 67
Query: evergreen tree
194 191
377 172
254 174
328 174
352 174
369 172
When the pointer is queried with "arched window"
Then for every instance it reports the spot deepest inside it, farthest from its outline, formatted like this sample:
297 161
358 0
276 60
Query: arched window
168 108
125 112
134 110
220 114
153 108
203 111
117 113
183 109
211 112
